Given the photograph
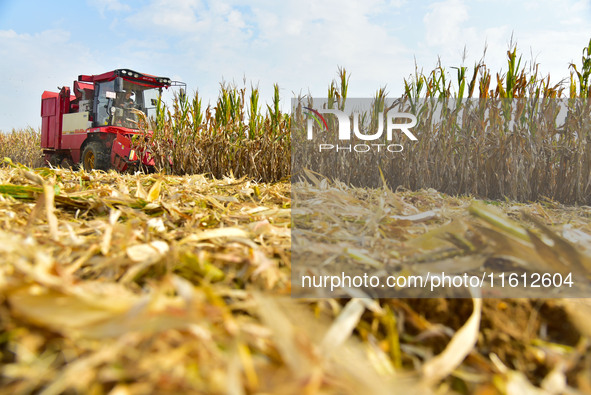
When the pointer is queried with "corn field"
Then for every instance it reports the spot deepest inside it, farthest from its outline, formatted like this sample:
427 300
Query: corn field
22 146
523 140
494 136
235 137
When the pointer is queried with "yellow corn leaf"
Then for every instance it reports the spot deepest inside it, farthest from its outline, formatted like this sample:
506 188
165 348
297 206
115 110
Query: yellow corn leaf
154 191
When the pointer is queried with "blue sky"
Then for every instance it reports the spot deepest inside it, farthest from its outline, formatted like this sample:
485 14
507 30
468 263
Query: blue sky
298 44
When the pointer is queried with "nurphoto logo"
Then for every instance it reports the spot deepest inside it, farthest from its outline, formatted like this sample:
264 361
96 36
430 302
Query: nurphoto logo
315 116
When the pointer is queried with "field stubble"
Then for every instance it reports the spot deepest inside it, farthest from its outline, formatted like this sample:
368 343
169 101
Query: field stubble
151 283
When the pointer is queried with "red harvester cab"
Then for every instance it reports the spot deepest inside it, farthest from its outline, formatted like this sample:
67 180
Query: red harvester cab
94 125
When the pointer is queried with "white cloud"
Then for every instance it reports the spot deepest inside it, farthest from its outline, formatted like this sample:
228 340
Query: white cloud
32 64
553 33
108 5
443 22
170 17
297 44
236 19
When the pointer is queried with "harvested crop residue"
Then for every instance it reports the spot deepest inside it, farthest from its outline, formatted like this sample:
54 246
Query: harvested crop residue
137 284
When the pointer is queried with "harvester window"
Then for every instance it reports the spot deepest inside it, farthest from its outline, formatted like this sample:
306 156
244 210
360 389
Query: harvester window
84 94
150 98
104 102
125 99
121 106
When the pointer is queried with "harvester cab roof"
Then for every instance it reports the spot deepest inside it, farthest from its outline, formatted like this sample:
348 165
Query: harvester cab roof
129 75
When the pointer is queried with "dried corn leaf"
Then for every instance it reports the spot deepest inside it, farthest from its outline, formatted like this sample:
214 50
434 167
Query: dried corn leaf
458 348
148 252
343 326
498 220
215 234
424 216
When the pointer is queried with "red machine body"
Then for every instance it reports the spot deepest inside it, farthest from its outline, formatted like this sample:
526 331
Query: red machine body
94 125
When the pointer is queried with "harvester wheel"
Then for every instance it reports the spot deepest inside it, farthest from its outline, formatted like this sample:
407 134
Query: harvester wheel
95 157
